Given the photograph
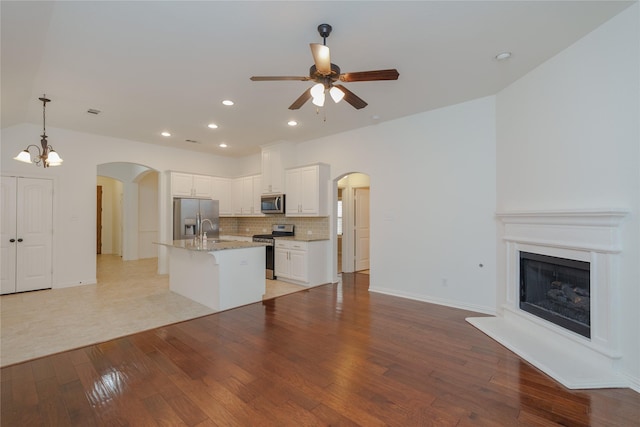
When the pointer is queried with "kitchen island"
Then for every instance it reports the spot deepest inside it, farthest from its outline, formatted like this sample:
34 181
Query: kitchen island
216 273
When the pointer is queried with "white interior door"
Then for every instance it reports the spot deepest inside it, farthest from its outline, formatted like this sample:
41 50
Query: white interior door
361 203
7 234
34 208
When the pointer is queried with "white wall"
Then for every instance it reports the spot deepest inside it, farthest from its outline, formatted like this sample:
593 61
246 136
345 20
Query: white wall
75 192
568 138
148 215
432 179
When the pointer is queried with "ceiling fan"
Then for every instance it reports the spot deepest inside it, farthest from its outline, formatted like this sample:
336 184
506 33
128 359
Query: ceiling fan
325 74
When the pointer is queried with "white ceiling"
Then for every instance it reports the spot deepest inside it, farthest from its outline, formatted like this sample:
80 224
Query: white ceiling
151 66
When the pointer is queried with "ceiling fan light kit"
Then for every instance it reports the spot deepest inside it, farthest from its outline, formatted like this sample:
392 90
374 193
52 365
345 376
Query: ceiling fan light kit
325 74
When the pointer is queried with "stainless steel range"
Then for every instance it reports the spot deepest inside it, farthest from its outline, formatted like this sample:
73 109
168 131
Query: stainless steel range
277 230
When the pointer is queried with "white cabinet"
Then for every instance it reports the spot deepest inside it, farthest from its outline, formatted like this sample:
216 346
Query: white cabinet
274 159
245 196
27 234
221 191
187 185
304 263
291 260
306 190
257 192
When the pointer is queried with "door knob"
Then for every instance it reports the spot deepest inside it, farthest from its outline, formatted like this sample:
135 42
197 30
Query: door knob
19 240
12 240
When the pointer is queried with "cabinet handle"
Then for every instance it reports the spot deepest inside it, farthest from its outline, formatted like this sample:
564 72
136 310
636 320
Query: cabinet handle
19 240
12 240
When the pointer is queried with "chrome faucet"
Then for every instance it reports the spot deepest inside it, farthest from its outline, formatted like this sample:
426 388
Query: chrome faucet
203 235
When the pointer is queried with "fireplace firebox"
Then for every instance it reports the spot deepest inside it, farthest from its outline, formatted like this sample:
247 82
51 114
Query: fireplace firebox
557 290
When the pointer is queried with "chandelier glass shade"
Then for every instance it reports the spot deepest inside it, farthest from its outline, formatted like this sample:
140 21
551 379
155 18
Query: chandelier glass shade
44 154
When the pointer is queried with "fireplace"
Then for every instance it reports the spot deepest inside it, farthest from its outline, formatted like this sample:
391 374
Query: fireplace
557 301
557 290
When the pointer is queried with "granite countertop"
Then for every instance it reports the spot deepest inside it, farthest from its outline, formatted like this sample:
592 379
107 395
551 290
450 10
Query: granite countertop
210 245
307 238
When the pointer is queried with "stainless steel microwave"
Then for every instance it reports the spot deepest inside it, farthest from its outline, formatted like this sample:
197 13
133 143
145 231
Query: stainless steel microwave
272 203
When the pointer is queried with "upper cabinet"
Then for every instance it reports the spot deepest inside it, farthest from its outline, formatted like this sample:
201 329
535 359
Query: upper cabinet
245 196
275 158
306 190
222 192
187 185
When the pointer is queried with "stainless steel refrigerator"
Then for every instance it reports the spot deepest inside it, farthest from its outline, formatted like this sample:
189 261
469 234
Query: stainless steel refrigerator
189 214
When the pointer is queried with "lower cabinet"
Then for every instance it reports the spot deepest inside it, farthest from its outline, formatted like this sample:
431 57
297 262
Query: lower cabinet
300 262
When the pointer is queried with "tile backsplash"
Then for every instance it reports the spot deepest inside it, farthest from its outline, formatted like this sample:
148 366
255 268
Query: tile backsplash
319 227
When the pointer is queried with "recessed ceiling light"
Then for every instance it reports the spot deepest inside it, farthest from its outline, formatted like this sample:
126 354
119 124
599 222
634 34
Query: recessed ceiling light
165 134
212 126
223 145
502 56
292 123
227 102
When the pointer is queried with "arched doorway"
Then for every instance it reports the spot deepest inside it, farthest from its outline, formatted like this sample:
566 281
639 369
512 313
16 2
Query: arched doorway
352 223
130 209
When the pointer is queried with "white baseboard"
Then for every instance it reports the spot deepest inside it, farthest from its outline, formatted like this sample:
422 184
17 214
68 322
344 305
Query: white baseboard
438 301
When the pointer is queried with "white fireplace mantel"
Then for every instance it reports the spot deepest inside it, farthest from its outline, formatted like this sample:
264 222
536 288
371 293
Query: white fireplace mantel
584 235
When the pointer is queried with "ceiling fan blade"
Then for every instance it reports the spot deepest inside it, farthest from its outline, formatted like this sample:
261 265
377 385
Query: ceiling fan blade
276 78
301 100
353 99
321 58
367 76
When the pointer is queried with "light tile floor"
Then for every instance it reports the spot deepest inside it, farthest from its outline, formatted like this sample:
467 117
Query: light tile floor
129 297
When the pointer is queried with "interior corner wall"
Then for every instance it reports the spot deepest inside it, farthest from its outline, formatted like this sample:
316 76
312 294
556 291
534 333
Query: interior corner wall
432 201
568 138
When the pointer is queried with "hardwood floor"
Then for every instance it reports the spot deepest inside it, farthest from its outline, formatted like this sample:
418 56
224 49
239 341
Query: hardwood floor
331 355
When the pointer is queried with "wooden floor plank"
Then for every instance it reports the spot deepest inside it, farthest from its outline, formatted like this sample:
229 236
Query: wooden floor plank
330 355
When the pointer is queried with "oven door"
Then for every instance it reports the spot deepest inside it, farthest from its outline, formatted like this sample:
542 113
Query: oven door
270 263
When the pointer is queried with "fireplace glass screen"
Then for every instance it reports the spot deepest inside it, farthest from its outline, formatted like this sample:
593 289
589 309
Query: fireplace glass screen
557 290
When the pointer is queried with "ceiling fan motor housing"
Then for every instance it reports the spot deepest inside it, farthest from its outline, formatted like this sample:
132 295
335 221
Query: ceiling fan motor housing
316 76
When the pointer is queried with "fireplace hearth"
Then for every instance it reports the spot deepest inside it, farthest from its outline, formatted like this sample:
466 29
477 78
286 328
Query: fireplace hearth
557 290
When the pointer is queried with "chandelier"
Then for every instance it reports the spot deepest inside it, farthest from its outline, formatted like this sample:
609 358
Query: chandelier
46 156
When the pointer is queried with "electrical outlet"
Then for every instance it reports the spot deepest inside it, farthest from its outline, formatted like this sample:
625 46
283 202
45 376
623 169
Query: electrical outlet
445 282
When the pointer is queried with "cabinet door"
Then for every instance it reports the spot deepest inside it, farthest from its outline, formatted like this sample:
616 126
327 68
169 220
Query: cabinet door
257 192
236 196
298 265
309 191
202 186
8 233
292 185
222 193
281 261
272 176
247 195
181 184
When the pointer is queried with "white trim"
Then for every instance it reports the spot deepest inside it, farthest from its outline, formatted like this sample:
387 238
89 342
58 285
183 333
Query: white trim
438 301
